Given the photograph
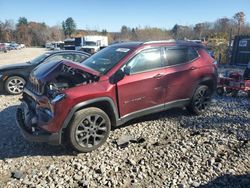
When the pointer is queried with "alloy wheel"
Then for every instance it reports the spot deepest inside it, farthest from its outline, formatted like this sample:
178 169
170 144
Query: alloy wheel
202 99
91 131
16 85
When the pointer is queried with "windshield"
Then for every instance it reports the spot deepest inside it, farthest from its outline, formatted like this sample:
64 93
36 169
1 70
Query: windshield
90 43
106 59
39 59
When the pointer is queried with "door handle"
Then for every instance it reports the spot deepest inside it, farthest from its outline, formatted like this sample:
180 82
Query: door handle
157 76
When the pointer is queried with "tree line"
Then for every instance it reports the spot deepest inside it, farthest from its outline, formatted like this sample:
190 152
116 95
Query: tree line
36 34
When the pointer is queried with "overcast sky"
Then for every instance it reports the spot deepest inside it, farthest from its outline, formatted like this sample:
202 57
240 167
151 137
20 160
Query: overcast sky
112 14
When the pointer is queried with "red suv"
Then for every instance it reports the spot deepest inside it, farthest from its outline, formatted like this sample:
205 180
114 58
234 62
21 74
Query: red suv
79 103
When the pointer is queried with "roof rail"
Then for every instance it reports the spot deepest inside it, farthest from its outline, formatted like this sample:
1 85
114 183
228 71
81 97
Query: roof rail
160 41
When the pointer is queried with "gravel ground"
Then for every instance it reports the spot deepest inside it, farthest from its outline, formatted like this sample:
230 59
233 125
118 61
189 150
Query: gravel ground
173 149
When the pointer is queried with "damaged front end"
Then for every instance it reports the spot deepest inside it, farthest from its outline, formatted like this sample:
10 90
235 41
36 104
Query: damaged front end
43 99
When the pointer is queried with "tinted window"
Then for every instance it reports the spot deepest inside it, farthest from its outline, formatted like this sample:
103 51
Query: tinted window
71 57
39 59
146 60
79 58
59 57
179 55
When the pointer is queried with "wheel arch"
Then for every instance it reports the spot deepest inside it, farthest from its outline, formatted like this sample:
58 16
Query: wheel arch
104 103
209 82
15 74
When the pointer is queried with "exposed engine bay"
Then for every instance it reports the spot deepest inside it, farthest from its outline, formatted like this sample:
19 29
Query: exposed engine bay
69 77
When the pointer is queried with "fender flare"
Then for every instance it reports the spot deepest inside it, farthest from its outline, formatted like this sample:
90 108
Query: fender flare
86 103
206 79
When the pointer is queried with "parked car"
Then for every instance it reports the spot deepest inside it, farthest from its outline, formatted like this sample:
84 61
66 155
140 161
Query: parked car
15 46
14 76
7 46
3 48
78 104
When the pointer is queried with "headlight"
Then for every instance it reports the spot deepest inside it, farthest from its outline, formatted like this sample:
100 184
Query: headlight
58 98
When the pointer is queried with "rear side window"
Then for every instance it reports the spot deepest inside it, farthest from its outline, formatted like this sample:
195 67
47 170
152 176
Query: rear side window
192 54
179 55
145 61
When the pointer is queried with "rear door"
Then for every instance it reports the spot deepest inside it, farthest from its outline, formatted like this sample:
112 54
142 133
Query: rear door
142 89
180 72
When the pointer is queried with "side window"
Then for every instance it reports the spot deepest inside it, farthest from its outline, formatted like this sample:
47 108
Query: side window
59 57
146 60
69 57
79 58
180 55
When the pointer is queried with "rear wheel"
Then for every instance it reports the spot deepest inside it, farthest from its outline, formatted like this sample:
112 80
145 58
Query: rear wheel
89 129
200 101
14 85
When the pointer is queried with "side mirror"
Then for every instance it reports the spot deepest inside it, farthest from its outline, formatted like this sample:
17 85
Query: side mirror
127 70
119 75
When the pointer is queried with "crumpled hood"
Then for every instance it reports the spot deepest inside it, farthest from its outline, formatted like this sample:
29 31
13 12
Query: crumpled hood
47 71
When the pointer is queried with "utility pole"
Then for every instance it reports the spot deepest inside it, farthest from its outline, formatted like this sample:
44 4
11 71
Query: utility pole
229 46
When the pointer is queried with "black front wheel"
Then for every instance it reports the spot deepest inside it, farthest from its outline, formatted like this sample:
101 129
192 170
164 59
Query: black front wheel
201 100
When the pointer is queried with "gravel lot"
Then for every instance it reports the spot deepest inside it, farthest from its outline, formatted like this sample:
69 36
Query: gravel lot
169 149
174 149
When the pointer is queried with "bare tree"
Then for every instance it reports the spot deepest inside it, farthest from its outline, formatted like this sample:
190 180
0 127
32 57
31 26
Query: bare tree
199 28
240 19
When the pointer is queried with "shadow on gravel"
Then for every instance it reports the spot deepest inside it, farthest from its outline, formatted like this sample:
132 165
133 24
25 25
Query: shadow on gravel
229 181
13 145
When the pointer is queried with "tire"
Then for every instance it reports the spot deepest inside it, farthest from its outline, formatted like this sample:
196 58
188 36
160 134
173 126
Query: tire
200 100
84 128
14 85
220 91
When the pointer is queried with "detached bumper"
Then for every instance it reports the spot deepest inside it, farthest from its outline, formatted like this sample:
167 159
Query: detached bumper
36 135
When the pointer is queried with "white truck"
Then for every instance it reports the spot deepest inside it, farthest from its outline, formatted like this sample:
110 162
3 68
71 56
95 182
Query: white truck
93 43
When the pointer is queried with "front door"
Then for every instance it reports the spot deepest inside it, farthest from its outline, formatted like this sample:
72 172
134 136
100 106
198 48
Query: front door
142 89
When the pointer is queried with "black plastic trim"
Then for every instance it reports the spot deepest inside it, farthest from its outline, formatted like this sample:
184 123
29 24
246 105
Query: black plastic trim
154 109
51 138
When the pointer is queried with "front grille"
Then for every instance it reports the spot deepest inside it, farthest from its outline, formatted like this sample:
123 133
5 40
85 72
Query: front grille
35 88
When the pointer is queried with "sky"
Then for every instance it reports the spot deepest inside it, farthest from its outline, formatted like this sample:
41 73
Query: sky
112 14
